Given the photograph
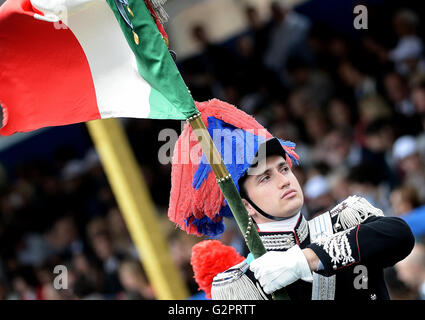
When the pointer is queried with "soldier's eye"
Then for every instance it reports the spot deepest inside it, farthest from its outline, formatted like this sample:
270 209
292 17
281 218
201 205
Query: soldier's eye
284 168
264 179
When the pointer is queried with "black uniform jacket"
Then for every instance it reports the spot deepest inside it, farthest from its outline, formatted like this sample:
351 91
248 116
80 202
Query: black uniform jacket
356 256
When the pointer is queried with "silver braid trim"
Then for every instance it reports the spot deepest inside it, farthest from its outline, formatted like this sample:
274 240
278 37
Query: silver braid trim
234 284
285 241
302 231
337 247
323 287
278 241
353 211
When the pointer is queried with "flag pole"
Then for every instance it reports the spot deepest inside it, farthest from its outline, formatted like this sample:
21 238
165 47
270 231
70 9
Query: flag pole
137 207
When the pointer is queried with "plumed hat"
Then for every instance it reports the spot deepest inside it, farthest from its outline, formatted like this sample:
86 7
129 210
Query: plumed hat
197 204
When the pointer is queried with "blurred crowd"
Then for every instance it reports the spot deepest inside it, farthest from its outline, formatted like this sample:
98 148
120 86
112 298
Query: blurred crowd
355 106
63 237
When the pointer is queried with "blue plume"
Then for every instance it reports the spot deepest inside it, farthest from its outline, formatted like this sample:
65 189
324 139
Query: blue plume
206 226
236 146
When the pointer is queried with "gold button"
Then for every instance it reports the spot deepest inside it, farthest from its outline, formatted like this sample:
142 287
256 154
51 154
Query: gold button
130 12
136 38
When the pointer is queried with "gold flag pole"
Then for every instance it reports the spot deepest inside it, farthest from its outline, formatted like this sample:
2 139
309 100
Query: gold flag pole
137 207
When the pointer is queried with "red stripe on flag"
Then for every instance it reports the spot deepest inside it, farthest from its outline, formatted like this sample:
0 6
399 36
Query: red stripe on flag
45 78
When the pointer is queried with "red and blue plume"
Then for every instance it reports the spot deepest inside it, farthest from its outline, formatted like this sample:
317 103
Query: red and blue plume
197 204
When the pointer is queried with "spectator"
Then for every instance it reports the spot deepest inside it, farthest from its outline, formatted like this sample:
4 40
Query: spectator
409 163
181 250
366 180
340 186
418 95
134 282
3 291
63 237
411 270
397 289
87 269
397 91
316 83
287 37
403 200
318 197
338 149
418 98
215 61
23 289
352 74
119 234
110 260
377 150
316 127
258 31
340 114
408 53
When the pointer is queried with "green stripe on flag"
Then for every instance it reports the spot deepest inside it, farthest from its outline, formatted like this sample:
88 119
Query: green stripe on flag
170 97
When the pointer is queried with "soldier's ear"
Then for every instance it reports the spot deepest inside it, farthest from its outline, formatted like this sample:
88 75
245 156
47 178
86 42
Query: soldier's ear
248 207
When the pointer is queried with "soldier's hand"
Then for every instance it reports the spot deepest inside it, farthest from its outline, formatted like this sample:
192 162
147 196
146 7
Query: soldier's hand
275 270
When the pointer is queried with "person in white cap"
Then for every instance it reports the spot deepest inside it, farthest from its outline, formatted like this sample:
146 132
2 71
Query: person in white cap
317 191
410 164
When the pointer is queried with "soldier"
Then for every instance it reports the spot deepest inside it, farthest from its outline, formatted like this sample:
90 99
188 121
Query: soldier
340 254
330 247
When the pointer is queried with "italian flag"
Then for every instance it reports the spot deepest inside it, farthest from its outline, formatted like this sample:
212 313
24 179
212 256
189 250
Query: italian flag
69 61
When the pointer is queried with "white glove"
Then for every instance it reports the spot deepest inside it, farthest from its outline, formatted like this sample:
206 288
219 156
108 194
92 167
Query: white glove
275 270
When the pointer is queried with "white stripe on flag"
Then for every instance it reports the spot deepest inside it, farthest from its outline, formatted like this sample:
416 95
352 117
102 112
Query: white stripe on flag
120 90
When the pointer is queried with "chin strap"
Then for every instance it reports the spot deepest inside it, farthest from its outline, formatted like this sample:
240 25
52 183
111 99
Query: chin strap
264 214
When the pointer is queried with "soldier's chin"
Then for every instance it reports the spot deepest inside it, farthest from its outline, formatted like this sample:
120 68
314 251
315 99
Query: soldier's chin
293 207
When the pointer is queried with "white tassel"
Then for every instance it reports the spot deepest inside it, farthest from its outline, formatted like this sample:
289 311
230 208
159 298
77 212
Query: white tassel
240 289
353 211
234 284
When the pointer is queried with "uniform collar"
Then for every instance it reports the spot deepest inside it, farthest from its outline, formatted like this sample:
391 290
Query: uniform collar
285 238
279 226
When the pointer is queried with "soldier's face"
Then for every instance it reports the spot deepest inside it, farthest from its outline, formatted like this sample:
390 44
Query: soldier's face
273 188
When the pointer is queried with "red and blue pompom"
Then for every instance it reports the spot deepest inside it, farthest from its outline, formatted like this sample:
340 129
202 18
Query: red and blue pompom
209 258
